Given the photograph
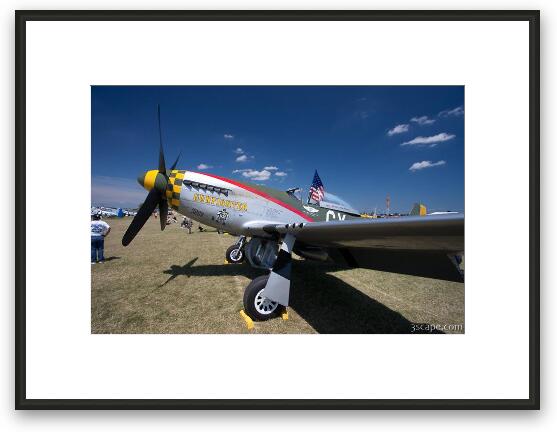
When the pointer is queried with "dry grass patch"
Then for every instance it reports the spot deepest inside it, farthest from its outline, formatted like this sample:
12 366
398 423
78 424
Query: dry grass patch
173 282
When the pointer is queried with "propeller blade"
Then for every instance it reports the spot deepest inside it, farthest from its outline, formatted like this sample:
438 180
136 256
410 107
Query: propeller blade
163 212
176 161
162 165
142 215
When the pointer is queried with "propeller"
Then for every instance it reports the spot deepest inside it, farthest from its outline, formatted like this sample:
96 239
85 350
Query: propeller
146 210
176 161
156 196
162 166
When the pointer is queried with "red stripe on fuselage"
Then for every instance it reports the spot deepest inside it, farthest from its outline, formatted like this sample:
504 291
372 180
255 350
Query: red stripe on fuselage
260 193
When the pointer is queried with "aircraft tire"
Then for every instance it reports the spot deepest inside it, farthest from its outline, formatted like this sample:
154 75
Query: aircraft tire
235 258
255 305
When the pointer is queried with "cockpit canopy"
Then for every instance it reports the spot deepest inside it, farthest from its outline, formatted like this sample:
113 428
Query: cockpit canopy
330 201
295 193
335 202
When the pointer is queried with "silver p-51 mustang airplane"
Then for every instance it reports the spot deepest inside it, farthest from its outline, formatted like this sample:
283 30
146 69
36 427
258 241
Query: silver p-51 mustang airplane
278 223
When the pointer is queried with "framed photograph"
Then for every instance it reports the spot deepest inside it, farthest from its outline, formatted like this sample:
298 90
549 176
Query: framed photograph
270 210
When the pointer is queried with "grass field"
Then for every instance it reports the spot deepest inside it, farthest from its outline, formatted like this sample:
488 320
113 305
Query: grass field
173 282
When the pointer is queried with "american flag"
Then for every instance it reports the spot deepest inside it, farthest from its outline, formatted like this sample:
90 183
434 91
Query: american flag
316 191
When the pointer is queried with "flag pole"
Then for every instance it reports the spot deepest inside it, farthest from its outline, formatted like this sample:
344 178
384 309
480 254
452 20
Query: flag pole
309 190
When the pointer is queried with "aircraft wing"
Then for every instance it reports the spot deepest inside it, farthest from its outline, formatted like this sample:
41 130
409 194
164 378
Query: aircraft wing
420 245
430 233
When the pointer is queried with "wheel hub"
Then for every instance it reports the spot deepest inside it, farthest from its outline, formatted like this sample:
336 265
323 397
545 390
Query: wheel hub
264 305
235 255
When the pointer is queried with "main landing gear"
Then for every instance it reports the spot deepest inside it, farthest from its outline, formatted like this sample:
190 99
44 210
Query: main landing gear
256 305
267 296
235 254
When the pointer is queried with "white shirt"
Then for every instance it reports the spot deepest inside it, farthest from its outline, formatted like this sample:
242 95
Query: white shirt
99 228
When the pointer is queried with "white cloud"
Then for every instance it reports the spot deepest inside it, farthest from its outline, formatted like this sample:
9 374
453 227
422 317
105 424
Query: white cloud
416 166
228 136
431 140
458 111
264 174
401 128
242 158
423 120
256 175
203 166
239 151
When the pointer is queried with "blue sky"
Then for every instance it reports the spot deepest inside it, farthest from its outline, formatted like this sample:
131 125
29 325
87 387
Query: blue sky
365 141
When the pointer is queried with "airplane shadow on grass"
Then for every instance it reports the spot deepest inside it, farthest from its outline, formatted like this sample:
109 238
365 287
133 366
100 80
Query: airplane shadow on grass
330 305
189 270
325 302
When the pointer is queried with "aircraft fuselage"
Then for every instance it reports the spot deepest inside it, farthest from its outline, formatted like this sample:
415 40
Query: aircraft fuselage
234 206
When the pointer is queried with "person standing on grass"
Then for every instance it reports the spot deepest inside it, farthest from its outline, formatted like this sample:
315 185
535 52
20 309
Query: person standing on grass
186 223
99 230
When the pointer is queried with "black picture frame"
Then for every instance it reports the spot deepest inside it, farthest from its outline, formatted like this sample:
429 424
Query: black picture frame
531 16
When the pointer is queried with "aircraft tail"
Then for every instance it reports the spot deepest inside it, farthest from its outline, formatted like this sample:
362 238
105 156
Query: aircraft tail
419 209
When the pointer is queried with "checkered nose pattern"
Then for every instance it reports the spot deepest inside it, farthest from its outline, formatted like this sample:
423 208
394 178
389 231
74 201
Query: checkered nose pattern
174 187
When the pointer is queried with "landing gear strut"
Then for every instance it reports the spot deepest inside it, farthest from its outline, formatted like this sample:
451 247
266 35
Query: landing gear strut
267 296
235 253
